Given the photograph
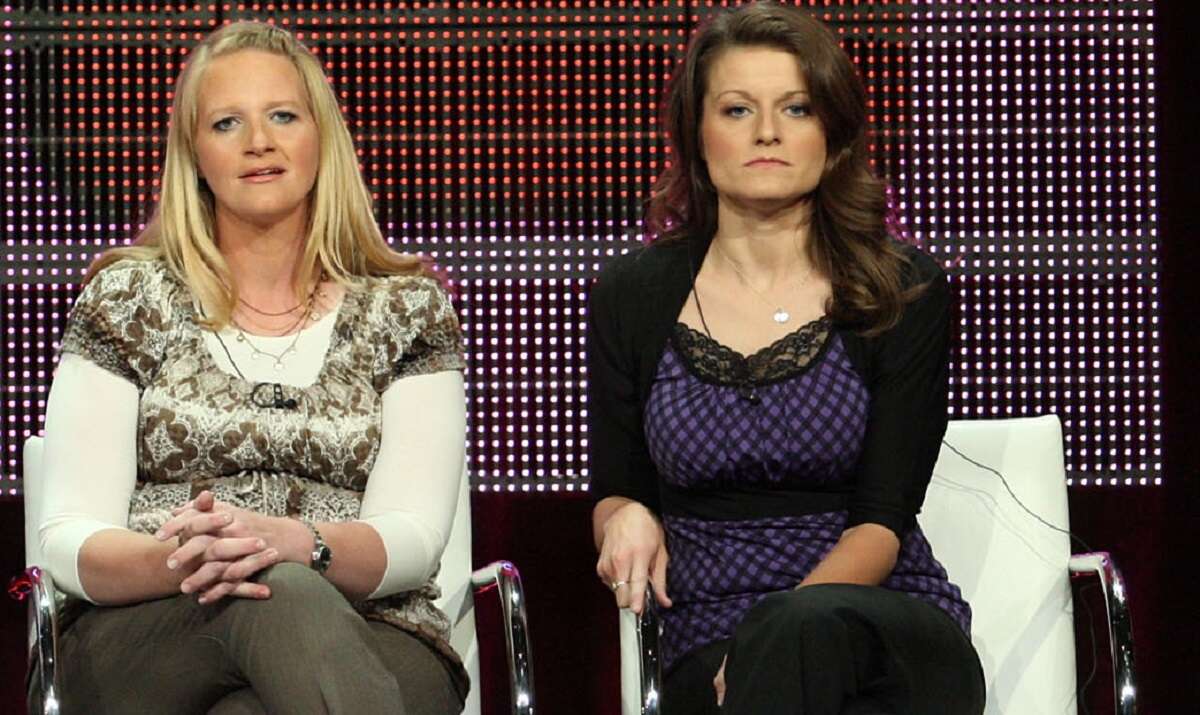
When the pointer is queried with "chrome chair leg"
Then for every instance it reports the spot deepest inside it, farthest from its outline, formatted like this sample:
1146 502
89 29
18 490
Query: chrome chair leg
37 587
504 577
1120 629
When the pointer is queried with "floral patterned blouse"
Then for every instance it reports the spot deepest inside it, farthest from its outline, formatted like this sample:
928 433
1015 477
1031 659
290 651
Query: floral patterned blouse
199 428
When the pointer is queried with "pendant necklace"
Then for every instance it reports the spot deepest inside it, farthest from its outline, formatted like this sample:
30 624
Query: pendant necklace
781 314
256 352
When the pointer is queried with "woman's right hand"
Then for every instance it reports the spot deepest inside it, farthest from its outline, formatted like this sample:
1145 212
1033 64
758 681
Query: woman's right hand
633 552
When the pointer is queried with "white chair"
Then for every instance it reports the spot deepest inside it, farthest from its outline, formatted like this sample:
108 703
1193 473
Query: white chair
459 586
1013 566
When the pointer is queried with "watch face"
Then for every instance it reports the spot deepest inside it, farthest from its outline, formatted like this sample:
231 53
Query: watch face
323 555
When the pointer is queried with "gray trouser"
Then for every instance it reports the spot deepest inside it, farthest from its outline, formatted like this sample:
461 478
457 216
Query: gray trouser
304 650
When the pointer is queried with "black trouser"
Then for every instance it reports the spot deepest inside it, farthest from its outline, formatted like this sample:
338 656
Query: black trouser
834 649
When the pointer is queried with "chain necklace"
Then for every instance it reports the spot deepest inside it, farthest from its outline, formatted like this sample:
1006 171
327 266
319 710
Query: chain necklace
269 314
781 315
256 352
260 311
274 399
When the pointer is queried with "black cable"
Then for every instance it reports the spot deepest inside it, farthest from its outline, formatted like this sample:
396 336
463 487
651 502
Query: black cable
1017 499
1080 700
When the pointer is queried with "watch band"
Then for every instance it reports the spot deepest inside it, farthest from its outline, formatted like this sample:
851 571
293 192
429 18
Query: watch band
322 555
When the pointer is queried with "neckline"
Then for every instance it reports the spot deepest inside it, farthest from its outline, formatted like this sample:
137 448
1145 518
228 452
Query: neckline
340 316
230 331
764 350
784 359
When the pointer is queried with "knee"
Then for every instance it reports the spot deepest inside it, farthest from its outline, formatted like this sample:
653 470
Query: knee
810 607
297 591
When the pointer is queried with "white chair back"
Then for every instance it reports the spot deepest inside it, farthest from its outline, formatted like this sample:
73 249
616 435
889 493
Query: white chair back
454 578
458 595
1011 567
32 487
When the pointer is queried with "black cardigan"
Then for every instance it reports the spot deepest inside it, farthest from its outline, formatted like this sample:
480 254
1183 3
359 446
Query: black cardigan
632 310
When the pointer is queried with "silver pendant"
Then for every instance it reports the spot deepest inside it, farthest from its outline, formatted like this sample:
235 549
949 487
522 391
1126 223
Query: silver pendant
781 316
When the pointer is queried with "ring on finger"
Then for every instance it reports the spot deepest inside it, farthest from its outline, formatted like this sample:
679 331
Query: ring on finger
617 584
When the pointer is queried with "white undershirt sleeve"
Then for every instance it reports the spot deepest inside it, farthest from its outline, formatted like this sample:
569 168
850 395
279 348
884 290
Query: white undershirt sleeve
89 463
413 488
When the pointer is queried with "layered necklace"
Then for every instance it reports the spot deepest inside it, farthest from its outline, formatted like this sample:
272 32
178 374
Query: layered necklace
781 314
309 312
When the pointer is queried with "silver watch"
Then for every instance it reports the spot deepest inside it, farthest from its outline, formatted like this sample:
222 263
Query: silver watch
322 555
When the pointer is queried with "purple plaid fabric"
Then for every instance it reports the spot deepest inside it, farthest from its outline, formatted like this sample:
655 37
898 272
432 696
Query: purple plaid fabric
804 431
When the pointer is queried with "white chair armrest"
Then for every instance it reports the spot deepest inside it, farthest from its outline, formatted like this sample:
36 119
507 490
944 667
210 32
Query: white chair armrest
641 661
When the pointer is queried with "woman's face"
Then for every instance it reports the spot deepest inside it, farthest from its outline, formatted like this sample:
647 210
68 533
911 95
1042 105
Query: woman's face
763 145
256 142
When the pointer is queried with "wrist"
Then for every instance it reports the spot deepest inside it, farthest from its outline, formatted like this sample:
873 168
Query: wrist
318 555
298 542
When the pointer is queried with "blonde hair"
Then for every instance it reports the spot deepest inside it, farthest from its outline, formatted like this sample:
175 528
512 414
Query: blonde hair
343 239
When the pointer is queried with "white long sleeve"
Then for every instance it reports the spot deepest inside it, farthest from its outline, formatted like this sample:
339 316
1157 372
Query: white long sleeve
90 459
413 488
89 464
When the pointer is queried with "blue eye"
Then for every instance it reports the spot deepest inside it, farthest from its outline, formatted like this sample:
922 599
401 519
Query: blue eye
736 111
224 125
284 117
799 110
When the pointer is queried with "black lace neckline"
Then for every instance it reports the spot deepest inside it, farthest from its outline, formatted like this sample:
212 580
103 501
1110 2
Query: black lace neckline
785 358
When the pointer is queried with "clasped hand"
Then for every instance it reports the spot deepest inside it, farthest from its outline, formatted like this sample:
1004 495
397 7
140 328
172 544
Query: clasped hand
221 546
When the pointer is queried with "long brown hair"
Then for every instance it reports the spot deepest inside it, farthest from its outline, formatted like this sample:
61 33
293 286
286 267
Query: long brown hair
343 243
849 241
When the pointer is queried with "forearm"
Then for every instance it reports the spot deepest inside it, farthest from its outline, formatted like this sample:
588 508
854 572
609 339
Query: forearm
119 567
408 508
604 509
359 556
865 555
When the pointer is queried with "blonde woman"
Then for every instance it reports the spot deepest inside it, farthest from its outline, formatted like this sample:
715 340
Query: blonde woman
243 509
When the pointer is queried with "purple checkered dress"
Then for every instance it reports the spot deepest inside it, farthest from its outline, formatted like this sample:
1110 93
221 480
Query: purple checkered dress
787 420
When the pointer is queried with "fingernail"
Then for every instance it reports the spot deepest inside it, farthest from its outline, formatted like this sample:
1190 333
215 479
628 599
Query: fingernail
272 553
260 543
202 599
172 564
160 535
185 588
227 518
